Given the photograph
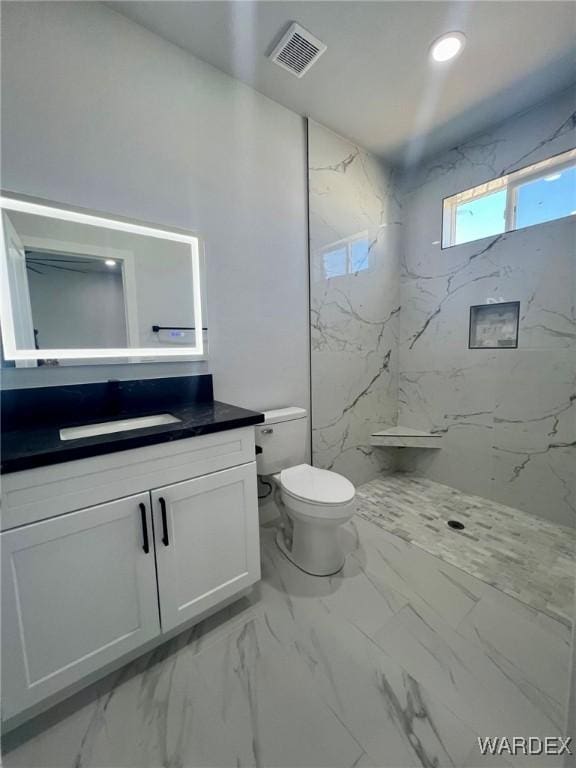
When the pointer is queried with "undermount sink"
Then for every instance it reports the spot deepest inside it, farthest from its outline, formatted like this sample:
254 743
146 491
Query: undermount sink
122 425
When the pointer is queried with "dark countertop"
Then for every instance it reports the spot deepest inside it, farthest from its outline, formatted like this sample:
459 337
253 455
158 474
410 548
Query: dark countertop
26 445
30 448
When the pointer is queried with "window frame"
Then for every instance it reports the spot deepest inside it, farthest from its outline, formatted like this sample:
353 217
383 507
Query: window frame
511 183
345 243
515 184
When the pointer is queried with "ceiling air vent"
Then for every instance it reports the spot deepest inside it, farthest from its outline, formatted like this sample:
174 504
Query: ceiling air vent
297 50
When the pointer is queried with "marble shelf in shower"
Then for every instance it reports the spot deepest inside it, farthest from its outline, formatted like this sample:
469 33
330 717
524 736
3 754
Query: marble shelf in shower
405 437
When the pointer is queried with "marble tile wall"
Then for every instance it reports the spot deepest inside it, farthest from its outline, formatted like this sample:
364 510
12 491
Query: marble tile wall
354 281
508 416
390 342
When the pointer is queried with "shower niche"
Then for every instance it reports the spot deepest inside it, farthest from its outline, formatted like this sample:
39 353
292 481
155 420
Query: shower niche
494 326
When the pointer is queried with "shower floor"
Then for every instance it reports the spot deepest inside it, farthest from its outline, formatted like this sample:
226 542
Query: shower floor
530 559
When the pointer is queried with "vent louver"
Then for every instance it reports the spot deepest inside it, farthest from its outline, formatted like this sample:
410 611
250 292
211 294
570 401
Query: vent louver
297 51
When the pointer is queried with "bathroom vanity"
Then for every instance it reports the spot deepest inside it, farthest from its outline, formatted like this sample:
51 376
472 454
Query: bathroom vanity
129 507
113 542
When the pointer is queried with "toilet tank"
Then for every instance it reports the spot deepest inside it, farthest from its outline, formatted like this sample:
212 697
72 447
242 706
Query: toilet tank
282 438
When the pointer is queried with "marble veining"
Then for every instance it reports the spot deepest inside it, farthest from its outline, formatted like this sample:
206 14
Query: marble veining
525 556
400 660
390 343
508 416
32 418
355 308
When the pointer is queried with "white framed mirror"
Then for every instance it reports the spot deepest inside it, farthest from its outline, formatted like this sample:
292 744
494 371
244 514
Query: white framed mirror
80 287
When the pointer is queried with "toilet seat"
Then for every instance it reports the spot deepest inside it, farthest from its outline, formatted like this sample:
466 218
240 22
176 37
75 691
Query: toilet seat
318 488
317 503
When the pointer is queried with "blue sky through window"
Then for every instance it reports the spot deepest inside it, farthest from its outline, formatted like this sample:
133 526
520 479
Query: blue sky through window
551 197
538 193
347 259
359 255
335 262
482 217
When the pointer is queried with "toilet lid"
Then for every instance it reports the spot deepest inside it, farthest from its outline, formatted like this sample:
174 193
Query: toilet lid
317 485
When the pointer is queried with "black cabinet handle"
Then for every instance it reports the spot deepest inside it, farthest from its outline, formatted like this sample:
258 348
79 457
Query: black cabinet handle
165 539
145 545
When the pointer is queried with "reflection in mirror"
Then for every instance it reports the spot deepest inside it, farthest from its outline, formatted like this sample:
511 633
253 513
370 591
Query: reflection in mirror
77 286
64 285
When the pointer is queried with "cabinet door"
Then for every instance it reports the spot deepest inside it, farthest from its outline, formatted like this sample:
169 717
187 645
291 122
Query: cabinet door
78 591
207 541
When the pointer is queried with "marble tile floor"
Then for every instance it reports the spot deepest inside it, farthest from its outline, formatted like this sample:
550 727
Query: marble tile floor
400 660
526 557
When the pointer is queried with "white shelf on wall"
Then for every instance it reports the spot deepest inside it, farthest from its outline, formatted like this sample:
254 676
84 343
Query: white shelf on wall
405 437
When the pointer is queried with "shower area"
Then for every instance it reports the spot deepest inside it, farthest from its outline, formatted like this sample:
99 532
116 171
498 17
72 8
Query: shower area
477 463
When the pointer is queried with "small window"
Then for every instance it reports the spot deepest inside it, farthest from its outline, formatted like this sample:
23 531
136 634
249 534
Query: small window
481 217
335 262
541 192
346 257
359 255
546 197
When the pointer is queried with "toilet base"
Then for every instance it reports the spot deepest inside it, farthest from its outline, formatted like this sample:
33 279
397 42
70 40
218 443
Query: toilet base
330 571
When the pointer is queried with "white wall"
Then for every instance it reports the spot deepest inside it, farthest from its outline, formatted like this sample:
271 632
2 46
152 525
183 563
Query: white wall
98 112
77 309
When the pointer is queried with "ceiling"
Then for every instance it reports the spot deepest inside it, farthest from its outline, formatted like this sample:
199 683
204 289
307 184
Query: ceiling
375 84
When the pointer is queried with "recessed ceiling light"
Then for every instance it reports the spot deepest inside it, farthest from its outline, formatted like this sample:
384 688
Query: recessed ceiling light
553 177
447 47
110 263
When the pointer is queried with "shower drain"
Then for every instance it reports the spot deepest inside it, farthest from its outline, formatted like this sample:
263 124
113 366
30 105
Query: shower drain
456 524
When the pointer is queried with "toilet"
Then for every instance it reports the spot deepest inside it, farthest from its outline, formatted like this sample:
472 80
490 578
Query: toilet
313 502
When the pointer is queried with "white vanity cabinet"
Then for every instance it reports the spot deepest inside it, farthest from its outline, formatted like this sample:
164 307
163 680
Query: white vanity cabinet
207 545
78 591
88 587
